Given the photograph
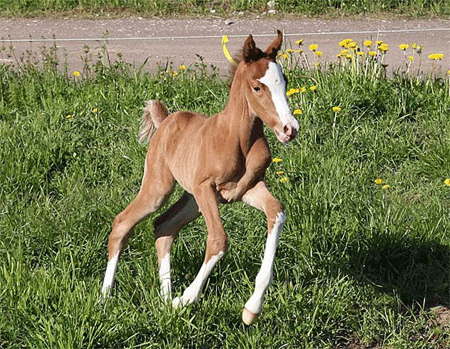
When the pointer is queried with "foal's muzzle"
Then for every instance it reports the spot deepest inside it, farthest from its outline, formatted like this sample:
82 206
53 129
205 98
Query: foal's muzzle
289 131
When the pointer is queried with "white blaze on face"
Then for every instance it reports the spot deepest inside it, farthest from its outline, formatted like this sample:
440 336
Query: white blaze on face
274 80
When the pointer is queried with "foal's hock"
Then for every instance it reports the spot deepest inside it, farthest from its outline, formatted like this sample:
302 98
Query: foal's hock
220 159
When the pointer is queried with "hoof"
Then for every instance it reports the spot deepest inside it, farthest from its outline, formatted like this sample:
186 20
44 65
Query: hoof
248 317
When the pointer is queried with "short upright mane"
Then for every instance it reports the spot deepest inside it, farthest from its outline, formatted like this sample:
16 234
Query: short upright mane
240 57
251 53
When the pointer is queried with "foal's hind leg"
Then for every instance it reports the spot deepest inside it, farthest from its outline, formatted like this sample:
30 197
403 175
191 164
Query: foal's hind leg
156 187
216 243
167 226
260 198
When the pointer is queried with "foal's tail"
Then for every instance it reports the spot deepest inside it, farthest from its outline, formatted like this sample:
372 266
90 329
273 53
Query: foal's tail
154 113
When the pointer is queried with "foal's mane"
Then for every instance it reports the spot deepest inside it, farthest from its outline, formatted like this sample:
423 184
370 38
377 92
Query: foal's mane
256 55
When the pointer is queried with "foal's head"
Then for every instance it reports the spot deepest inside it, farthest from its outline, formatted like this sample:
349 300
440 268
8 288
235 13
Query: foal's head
264 86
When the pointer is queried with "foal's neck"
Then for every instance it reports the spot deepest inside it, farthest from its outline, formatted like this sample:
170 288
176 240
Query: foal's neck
244 126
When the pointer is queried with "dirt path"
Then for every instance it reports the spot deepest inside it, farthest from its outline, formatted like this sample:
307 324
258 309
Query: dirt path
180 41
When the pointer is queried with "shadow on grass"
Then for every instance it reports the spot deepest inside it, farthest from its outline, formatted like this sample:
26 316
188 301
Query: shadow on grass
418 271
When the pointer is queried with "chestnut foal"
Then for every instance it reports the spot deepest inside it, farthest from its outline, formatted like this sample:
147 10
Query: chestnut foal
218 159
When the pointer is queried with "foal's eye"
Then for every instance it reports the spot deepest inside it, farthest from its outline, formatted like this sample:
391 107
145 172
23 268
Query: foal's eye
257 89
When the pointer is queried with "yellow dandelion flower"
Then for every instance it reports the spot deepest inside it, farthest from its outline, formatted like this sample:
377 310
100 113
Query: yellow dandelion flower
372 53
403 47
368 43
289 51
303 89
419 49
313 88
297 112
436 56
300 51
285 55
299 42
383 48
182 67
349 56
379 42
378 181
337 109
313 47
280 173
414 45
69 116
448 72
276 160
411 58
76 73
95 110
352 44
292 91
318 53
345 42
447 182
174 73
284 180
386 186
360 53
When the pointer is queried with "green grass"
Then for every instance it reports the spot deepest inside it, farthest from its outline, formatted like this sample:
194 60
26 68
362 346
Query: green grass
356 263
410 8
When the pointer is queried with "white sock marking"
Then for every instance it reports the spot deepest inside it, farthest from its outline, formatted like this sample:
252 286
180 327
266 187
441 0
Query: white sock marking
164 276
264 277
192 293
274 80
109 275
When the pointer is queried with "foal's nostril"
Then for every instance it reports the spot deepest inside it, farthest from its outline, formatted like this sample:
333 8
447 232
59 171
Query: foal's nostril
287 130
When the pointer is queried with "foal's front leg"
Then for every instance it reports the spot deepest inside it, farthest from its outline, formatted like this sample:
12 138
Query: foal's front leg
216 247
260 198
258 159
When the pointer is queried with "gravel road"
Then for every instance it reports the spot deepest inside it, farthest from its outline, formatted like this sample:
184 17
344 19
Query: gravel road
181 40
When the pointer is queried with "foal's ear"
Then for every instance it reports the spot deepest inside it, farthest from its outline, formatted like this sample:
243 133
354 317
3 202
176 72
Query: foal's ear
249 50
275 46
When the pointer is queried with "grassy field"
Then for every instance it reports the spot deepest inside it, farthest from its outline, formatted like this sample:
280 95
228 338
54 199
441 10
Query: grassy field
364 258
410 8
